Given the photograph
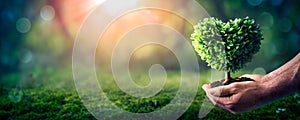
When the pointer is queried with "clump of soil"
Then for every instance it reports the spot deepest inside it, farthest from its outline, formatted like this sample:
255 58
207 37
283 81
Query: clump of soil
220 83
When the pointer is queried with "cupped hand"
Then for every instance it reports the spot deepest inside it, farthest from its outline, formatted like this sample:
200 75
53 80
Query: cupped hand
238 97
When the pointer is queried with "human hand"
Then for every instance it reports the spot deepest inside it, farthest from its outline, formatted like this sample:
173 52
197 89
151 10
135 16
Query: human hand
239 97
244 96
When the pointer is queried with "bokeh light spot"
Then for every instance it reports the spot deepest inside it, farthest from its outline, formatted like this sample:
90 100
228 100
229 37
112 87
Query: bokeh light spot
268 35
15 95
269 49
23 25
254 2
259 70
272 49
266 20
285 25
26 56
47 13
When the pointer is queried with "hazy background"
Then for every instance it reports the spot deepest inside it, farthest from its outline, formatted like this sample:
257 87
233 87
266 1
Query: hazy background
37 35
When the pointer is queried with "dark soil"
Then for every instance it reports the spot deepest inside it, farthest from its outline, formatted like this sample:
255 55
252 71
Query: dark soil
220 83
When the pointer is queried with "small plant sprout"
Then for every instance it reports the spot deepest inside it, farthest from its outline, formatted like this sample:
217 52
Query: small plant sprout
227 46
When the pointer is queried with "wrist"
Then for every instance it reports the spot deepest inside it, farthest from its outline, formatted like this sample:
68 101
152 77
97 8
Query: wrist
269 88
297 77
297 70
279 85
284 80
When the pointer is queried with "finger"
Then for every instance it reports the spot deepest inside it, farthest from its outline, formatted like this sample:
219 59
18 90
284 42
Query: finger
215 101
211 91
210 97
222 91
229 90
222 102
206 87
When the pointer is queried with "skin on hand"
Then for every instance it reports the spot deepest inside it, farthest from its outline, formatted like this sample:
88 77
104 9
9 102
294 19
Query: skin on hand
238 97
241 97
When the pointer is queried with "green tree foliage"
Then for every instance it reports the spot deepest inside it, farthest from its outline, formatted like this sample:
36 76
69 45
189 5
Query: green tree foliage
227 46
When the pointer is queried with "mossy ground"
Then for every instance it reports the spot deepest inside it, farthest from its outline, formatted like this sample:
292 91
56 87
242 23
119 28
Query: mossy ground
55 97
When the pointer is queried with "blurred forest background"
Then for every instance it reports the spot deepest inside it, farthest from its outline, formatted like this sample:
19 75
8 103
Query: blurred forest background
37 38
37 35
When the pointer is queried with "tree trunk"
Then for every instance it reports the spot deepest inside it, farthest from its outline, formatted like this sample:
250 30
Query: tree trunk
228 79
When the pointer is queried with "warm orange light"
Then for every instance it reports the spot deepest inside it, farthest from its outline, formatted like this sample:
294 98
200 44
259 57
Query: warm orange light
124 24
70 14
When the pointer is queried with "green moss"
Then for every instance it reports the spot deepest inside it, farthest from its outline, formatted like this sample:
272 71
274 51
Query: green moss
64 103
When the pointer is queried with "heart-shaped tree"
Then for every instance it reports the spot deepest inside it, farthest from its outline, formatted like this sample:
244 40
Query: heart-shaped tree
227 46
